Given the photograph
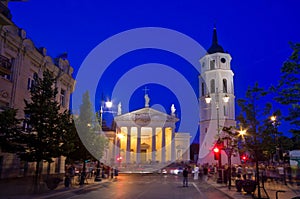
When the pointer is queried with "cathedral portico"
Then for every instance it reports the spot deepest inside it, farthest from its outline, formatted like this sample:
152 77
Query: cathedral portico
147 137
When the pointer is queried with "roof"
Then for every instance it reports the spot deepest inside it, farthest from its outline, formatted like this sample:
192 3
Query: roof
215 47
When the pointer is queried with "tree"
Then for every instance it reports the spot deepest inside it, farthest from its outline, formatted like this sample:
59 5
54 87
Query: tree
288 90
229 139
253 117
10 131
90 142
43 137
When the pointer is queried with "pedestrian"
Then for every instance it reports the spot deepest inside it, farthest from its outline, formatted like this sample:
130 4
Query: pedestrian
196 173
112 173
185 174
67 180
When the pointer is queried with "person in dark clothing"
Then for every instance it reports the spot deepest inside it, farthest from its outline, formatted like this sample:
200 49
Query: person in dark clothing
185 177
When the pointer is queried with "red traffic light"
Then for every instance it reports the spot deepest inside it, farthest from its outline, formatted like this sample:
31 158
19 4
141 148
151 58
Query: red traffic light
119 158
216 150
244 157
216 153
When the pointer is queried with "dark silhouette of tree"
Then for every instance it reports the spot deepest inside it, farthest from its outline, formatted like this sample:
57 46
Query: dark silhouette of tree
10 131
90 142
288 91
253 117
46 125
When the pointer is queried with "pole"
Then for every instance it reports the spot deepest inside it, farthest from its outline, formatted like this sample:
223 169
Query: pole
98 177
220 178
101 119
257 169
229 170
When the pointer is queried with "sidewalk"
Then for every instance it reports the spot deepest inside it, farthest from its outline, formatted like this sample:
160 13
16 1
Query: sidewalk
270 187
59 191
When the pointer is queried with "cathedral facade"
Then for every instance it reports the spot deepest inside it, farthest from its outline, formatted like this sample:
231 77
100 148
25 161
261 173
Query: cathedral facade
145 139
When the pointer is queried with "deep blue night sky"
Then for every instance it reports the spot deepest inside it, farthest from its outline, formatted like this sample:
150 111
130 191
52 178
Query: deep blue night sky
255 33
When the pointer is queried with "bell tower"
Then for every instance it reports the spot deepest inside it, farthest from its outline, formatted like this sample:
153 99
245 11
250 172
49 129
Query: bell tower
216 99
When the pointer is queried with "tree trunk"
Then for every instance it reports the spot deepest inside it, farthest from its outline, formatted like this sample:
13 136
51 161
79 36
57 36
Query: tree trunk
36 178
229 171
48 170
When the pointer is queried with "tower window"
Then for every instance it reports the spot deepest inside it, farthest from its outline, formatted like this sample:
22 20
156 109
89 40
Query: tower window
223 60
225 86
212 64
212 86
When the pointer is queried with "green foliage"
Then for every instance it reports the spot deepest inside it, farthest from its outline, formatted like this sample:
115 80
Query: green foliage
9 131
288 89
253 117
90 143
42 139
68 134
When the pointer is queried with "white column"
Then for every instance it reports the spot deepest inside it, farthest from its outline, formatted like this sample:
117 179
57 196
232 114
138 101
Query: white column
173 145
117 147
138 145
128 145
163 145
153 144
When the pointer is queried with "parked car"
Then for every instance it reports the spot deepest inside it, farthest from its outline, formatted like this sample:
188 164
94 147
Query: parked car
176 171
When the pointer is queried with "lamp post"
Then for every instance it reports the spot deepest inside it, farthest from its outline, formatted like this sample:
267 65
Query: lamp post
108 104
257 179
275 124
217 104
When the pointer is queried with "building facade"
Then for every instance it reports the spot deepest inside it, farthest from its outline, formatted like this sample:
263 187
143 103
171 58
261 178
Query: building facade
146 139
20 62
215 83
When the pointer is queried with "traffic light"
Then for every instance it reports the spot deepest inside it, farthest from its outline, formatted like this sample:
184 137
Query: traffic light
244 158
216 153
119 158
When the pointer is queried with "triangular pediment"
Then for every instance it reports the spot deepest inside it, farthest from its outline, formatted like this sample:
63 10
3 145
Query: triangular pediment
144 116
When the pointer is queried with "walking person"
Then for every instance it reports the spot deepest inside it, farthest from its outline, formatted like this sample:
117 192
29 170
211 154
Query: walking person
185 177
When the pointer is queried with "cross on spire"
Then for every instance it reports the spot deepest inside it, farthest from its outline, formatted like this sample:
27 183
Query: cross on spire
145 90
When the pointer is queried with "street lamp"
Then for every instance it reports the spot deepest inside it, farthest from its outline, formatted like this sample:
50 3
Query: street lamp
108 104
208 100
273 118
257 179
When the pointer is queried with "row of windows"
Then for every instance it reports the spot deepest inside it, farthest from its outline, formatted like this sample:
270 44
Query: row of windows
212 63
213 87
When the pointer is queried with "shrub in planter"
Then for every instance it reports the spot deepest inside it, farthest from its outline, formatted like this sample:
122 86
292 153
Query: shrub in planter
52 183
249 186
239 185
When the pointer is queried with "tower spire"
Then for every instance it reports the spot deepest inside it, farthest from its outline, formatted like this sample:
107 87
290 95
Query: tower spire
215 47
215 38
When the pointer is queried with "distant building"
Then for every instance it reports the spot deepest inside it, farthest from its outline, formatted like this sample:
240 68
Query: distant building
20 62
145 140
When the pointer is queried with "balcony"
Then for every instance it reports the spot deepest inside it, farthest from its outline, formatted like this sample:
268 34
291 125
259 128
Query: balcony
5 65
